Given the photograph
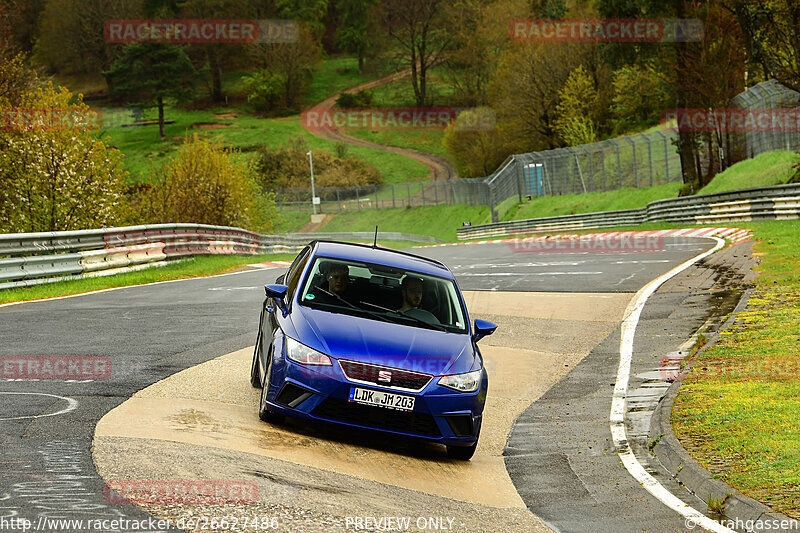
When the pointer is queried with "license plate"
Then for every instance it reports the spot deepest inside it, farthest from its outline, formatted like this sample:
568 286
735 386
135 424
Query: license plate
382 399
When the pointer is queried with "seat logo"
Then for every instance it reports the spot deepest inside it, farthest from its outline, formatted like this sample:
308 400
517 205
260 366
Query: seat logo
384 376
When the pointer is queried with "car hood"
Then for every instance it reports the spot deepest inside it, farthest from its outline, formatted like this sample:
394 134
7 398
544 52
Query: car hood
383 343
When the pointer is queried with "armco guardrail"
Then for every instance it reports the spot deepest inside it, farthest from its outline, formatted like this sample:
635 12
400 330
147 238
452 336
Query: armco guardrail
32 258
779 202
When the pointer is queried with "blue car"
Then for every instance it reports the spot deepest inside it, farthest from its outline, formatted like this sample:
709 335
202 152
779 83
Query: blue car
372 338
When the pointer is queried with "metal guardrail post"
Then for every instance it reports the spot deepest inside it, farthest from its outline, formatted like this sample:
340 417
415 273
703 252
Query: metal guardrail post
393 204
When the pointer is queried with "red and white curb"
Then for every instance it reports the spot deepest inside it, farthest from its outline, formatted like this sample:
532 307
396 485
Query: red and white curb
271 264
733 235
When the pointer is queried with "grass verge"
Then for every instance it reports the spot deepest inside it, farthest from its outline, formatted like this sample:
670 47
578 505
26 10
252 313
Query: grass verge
205 265
439 221
737 411
571 204
770 168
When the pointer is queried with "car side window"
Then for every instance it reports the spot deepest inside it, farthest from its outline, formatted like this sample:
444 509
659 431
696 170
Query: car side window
293 277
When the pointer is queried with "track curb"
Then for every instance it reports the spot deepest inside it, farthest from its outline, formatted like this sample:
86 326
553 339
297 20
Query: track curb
671 454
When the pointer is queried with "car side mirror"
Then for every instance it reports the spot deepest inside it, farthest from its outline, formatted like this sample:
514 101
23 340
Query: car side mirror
483 328
278 293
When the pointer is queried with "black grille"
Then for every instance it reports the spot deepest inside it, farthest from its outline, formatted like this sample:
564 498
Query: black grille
291 395
377 417
460 424
404 379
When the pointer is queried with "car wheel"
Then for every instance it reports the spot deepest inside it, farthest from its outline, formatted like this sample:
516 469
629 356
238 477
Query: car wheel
255 368
263 411
462 453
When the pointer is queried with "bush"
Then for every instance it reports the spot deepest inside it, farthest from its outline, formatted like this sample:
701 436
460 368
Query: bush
55 174
474 143
208 184
266 91
288 167
354 100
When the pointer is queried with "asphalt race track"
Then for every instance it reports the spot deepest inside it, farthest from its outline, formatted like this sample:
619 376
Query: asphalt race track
184 348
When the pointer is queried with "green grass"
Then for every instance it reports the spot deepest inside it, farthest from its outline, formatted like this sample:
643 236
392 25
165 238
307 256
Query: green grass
737 411
334 75
770 168
429 141
437 221
144 151
570 204
187 268
400 93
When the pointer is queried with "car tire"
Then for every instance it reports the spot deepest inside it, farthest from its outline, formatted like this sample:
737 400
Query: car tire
255 368
462 453
263 411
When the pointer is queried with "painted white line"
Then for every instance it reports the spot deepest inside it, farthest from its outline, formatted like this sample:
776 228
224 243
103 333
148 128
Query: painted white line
71 405
100 291
617 418
489 274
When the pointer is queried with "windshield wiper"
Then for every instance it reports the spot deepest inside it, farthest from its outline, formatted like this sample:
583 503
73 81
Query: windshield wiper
404 315
352 305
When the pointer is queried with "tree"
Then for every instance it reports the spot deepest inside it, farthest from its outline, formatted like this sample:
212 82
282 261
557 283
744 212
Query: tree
772 31
420 30
55 174
576 109
310 12
474 143
149 73
215 54
480 33
206 183
641 94
71 34
15 76
353 32
524 92
291 62
22 17
707 75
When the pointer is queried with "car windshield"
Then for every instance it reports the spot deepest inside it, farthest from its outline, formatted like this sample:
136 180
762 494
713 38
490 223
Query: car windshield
384 293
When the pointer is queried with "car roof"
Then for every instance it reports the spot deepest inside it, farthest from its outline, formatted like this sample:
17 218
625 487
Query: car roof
381 256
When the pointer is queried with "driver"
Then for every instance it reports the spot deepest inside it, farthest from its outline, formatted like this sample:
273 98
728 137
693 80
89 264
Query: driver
337 282
411 290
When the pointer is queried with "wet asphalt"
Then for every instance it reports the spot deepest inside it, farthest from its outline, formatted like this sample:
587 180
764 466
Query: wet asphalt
559 454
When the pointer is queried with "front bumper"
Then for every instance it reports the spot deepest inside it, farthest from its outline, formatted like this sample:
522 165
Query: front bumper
322 393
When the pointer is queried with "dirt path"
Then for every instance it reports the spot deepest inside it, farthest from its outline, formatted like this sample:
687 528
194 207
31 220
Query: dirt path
439 166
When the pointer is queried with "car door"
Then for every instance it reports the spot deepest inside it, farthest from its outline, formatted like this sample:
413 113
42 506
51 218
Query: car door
269 319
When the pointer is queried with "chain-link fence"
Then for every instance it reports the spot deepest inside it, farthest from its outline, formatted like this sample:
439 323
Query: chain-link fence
764 96
641 160
473 191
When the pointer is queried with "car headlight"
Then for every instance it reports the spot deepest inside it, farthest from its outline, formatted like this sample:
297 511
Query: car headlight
300 353
468 382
